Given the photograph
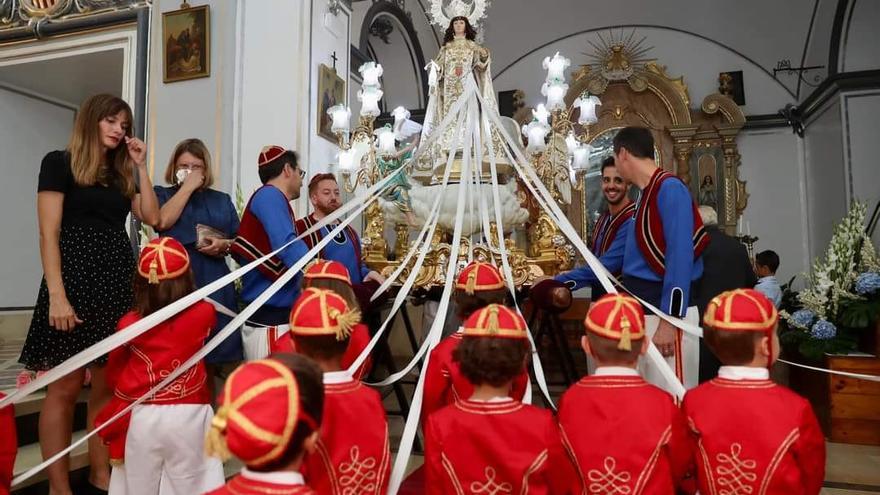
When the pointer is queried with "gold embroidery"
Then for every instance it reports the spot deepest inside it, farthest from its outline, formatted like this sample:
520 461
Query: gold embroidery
357 476
491 487
609 482
734 472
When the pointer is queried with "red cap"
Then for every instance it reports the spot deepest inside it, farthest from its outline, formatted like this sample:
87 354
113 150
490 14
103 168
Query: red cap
163 258
495 320
327 269
479 276
269 153
259 411
618 317
322 312
741 310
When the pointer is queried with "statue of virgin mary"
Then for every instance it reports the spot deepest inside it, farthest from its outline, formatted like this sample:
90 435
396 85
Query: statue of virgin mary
461 57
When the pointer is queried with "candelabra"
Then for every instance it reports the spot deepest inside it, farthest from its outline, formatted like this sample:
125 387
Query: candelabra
360 153
558 153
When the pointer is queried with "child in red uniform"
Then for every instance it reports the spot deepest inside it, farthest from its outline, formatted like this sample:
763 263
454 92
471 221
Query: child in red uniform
269 418
479 284
353 455
333 275
8 446
488 442
752 436
624 434
162 435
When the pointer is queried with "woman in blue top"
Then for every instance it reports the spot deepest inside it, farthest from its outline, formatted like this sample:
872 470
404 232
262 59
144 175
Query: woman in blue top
190 205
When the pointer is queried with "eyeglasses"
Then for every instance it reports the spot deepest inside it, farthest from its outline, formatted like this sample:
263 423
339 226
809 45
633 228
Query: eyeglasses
302 173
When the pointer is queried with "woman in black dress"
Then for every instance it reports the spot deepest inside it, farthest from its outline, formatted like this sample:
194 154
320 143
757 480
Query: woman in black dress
84 195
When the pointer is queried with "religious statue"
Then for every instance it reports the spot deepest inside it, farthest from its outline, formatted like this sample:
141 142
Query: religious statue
707 192
460 58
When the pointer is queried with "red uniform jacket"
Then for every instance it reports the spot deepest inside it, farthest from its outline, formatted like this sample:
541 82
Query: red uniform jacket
8 446
136 367
444 383
360 338
753 436
353 454
246 486
495 447
625 436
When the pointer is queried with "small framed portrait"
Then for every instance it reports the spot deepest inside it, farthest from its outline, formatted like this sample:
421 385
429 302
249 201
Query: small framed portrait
331 90
187 38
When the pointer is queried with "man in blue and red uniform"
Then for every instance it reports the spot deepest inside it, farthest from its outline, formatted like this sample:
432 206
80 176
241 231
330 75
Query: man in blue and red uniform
662 250
609 234
346 246
267 224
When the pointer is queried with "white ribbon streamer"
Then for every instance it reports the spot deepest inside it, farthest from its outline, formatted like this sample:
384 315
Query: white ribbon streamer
222 335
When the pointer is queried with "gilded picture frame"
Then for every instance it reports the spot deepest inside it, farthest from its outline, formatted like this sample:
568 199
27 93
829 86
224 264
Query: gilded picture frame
186 39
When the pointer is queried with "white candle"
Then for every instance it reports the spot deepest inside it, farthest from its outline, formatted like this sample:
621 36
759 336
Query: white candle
748 228
340 115
555 93
386 141
371 72
369 98
581 157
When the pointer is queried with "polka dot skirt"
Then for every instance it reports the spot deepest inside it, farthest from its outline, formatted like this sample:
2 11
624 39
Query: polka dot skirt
97 266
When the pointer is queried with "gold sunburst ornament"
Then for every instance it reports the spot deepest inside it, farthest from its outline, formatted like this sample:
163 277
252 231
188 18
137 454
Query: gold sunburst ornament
618 56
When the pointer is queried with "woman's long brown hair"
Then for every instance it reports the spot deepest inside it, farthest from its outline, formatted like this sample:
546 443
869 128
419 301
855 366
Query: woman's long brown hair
89 164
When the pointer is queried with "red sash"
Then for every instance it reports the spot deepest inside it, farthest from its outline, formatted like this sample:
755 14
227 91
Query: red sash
609 225
252 243
303 224
649 225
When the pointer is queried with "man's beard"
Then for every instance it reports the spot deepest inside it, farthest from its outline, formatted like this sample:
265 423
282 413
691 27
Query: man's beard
326 210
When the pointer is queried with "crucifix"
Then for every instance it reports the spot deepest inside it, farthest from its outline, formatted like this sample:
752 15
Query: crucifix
335 58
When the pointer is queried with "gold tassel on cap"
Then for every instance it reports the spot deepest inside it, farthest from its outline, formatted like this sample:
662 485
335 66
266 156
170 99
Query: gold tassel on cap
215 440
471 281
154 272
493 325
625 335
346 321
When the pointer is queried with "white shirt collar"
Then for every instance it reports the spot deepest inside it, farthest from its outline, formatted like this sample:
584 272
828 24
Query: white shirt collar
335 377
743 373
493 400
275 477
615 371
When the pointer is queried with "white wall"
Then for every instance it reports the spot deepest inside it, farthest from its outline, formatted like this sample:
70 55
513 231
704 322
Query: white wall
825 175
197 108
861 120
272 83
698 60
38 127
861 43
773 169
329 34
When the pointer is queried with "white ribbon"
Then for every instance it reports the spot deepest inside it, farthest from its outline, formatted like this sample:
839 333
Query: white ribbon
222 335
412 420
860 376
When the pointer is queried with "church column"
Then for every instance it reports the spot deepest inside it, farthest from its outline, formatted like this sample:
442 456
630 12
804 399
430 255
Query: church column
735 197
683 146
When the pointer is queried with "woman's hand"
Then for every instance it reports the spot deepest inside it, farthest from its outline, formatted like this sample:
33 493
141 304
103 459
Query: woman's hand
216 247
193 181
61 314
137 150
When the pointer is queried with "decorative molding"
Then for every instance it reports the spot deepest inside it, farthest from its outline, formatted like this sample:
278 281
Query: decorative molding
28 19
837 83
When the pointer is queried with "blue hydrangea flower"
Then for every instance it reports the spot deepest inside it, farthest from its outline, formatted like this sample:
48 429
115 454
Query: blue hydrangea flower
868 283
803 318
823 330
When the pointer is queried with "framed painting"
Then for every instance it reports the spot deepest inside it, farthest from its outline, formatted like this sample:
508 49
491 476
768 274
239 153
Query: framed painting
187 38
331 90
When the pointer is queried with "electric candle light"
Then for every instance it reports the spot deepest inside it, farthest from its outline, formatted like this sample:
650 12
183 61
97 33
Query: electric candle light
340 115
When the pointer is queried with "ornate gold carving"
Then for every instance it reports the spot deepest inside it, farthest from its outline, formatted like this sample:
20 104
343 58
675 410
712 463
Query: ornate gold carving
401 244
